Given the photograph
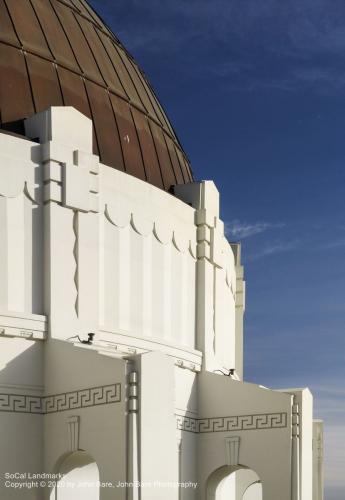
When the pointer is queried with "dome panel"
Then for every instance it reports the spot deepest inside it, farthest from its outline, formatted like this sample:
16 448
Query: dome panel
174 160
28 28
44 82
128 138
121 71
6 27
15 91
73 91
103 117
152 167
169 177
78 42
59 52
56 39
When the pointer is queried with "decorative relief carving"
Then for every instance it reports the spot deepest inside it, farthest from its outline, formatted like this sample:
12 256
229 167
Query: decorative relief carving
188 424
12 176
18 176
213 246
181 241
85 398
18 403
73 433
141 224
118 211
122 215
76 261
70 177
232 450
162 232
235 423
295 419
133 401
33 193
82 399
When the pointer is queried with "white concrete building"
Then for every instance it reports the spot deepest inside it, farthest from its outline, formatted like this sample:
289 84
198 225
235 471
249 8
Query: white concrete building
141 409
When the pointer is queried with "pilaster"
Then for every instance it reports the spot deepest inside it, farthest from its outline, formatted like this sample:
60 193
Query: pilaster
158 457
240 308
71 222
133 436
215 278
204 197
295 451
318 480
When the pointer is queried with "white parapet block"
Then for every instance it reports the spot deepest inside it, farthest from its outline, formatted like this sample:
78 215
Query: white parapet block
63 125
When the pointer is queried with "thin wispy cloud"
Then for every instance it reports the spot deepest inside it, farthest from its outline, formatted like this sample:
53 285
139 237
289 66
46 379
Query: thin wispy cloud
240 230
291 78
273 249
301 39
300 27
329 245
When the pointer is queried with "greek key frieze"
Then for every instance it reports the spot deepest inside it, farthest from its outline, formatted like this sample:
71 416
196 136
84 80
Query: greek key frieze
233 423
187 424
84 398
18 403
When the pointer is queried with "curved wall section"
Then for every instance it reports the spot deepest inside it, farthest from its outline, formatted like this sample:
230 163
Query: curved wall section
148 256
97 250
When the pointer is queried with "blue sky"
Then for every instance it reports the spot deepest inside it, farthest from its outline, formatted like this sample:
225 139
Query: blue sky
256 92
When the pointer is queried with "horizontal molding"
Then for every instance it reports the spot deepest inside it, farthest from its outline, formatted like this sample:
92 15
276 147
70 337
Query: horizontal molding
180 412
234 423
23 325
124 344
84 398
22 387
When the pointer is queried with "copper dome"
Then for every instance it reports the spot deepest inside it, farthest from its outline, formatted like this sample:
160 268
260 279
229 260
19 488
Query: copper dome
59 52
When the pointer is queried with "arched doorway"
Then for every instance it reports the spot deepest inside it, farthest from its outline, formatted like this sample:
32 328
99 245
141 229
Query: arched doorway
80 478
253 492
234 483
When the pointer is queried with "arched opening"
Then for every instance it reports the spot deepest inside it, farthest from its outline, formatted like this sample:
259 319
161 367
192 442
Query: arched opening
234 483
253 492
80 478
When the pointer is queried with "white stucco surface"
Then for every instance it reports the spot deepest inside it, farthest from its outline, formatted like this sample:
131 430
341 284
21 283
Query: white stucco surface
89 249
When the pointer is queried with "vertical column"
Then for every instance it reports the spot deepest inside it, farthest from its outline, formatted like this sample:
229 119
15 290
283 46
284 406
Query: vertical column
318 460
71 221
295 452
303 424
179 458
204 197
240 308
205 275
158 457
133 455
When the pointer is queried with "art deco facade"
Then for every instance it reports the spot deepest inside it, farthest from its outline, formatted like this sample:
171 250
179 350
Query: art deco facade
104 230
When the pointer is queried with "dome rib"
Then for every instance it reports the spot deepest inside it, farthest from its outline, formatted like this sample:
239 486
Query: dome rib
66 55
